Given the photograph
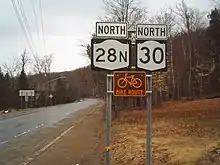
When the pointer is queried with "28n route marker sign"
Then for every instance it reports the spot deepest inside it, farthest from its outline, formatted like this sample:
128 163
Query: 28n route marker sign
110 54
110 49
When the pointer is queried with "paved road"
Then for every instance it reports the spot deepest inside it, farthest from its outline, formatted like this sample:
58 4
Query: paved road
15 127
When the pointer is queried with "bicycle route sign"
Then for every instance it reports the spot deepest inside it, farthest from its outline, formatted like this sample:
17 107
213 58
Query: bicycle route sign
151 47
129 83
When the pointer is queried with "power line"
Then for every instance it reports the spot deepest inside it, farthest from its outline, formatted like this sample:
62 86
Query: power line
35 17
42 25
21 24
22 11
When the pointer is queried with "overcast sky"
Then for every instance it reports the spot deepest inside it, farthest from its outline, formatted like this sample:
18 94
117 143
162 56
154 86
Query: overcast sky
67 25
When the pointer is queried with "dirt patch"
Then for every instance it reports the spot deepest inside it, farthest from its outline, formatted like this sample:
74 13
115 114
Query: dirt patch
183 133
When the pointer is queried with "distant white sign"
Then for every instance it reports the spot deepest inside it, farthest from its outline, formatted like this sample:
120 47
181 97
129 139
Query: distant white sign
26 93
110 54
151 31
111 29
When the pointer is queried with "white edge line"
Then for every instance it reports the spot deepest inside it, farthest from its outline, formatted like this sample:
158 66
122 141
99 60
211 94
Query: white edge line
4 142
39 152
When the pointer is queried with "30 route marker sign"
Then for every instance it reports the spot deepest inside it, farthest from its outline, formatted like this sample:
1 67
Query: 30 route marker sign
110 54
129 83
151 55
151 47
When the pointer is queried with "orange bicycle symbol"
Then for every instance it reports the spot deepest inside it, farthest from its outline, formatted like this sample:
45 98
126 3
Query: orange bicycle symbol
124 81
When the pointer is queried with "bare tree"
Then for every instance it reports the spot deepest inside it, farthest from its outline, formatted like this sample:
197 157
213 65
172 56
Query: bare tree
47 61
190 20
130 11
87 48
24 60
12 67
38 64
166 16
185 16
199 20
216 3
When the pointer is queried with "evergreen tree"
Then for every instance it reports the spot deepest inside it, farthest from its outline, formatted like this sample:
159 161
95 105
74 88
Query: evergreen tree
214 33
22 85
23 81
61 92
2 104
8 91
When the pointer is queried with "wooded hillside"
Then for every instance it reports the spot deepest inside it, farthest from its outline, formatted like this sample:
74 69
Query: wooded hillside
193 62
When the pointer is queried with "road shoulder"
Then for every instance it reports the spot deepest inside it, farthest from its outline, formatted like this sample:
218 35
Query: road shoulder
81 145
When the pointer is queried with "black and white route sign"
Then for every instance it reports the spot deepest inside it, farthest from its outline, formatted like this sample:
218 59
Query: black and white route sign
111 30
151 55
151 32
110 54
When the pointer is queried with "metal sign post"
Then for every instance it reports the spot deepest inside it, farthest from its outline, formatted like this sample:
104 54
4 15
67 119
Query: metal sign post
21 102
26 100
26 94
151 56
108 118
111 51
149 107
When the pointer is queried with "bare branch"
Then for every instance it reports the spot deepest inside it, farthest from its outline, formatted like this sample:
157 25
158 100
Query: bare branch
38 64
190 19
48 59
129 11
199 21
165 16
13 67
216 3
24 60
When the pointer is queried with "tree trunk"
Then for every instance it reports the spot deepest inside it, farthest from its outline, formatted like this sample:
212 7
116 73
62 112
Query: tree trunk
172 69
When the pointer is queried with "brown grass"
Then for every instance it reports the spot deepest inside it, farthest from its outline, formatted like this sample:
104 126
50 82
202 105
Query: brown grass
182 134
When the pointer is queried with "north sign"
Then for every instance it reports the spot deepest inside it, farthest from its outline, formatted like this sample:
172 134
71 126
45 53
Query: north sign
151 32
111 30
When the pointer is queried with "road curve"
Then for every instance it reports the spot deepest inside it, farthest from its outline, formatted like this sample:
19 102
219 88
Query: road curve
15 127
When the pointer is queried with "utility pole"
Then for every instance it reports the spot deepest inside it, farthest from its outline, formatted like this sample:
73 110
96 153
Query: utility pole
49 90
